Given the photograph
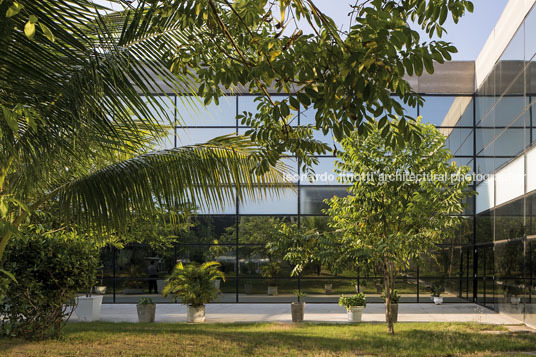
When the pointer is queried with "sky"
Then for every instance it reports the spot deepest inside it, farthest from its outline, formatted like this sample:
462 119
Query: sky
469 35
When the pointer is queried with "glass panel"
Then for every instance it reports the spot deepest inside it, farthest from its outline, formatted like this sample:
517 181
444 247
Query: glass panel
192 112
509 221
460 142
285 203
510 181
324 174
207 229
485 100
312 198
530 29
257 230
435 109
163 111
484 227
485 198
511 62
189 136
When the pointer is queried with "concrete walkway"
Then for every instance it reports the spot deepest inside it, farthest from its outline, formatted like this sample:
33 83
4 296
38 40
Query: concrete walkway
466 312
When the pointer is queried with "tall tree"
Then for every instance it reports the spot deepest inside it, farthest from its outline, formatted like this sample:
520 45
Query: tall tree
402 201
350 77
77 121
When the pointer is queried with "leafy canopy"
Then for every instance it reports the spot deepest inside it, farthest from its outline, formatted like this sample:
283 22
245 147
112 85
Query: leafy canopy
402 201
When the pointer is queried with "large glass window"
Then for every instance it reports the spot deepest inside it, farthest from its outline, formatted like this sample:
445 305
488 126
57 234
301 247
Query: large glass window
435 109
192 112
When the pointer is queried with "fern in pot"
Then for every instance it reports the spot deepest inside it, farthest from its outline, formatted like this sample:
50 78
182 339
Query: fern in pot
193 285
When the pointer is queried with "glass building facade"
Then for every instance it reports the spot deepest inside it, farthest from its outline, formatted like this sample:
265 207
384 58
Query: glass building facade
491 260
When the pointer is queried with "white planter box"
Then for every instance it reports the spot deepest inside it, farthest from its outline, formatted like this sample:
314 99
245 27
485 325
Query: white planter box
88 308
355 313
195 314
438 300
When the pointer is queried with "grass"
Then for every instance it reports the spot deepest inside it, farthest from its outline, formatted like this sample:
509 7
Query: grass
273 339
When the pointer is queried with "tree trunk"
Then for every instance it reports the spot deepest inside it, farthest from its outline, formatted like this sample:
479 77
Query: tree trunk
389 290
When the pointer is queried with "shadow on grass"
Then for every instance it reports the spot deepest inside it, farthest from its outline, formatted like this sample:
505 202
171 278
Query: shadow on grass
278 339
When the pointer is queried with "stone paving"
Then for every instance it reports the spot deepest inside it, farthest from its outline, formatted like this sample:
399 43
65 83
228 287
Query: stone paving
466 312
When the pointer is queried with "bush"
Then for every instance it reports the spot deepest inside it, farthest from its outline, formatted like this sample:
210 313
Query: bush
50 269
354 300
193 283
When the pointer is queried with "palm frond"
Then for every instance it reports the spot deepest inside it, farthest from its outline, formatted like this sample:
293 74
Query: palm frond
207 176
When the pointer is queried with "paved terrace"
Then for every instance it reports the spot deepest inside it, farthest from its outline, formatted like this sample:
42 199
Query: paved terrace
466 312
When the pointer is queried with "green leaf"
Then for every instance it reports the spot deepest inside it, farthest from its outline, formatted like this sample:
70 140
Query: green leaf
14 9
9 275
33 19
11 119
29 30
46 31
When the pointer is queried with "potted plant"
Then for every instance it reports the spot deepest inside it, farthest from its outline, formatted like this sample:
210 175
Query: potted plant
437 289
328 288
513 292
354 304
193 285
146 309
394 304
101 289
355 285
297 308
269 271
88 307
248 288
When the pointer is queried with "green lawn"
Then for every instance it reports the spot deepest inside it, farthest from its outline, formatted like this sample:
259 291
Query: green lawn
269 339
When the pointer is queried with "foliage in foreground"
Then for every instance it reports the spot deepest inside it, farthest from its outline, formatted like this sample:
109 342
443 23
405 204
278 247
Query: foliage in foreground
51 267
170 339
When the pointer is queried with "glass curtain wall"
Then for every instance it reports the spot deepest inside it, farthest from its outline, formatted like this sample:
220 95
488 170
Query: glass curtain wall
504 137
236 236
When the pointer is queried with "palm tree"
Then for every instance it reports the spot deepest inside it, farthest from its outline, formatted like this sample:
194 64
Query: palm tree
77 120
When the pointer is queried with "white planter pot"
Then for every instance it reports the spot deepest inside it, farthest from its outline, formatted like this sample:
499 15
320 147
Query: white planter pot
355 313
100 290
515 300
328 288
160 285
438 300
195 314
146 312
272 290
297 310
88 308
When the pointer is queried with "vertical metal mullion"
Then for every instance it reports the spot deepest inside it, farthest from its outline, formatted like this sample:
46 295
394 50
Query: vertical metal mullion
237 260
418 283
475 256
114 272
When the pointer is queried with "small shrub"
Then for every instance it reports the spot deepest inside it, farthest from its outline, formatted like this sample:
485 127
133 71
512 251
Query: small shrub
145 301
354 300
437 289
50 269
193 283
